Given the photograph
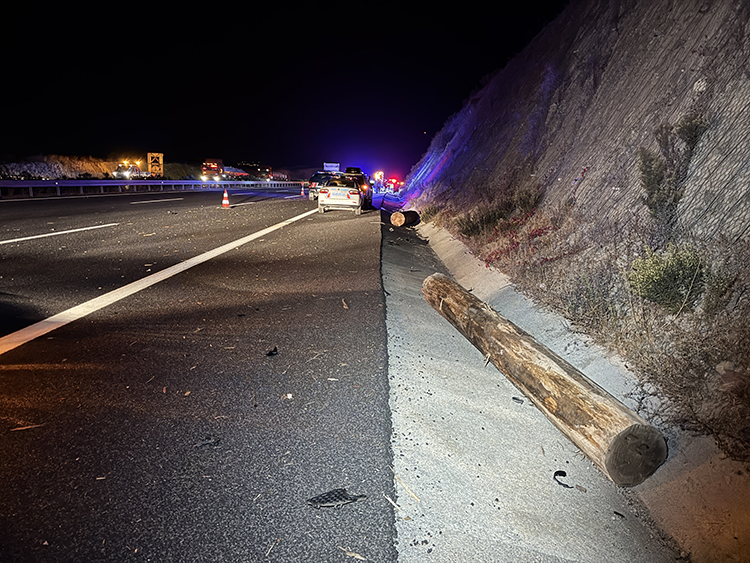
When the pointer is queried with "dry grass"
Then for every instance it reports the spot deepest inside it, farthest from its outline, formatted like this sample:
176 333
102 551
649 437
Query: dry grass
694 362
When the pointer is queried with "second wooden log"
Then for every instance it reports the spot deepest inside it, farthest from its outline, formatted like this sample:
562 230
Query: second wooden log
617 440
404 218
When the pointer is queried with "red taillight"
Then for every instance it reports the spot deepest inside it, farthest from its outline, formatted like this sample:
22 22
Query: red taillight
323 190
354 192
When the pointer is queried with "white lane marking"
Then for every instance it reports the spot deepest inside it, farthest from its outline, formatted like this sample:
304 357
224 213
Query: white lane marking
157 200
58 233
41 328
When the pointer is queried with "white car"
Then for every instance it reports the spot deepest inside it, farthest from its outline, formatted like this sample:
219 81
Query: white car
340 193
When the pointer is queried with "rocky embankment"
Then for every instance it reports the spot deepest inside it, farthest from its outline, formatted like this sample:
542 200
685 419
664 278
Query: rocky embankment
606 170
571 112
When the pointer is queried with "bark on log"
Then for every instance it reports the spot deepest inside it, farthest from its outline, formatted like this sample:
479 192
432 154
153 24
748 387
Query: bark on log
618 441
404 218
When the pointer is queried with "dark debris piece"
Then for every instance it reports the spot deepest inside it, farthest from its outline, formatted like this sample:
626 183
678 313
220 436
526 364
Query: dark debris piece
209 441
273 352
561 474
335 498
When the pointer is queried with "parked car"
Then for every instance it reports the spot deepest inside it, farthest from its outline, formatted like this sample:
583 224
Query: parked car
341 192
364 186
317 180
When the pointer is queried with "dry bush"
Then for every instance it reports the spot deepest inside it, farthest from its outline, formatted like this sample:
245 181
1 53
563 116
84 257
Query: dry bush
695 363
674 279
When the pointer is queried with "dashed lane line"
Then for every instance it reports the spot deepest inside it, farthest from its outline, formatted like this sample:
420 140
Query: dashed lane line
157 200
58 233
41 328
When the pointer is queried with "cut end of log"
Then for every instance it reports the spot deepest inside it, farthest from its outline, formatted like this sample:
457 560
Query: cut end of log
404 218
634 454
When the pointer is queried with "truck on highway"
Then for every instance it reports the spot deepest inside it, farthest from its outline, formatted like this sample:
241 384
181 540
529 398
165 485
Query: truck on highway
213 169
130 171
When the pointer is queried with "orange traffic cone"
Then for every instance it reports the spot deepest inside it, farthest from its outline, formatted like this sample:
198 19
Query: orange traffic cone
225 202
302 193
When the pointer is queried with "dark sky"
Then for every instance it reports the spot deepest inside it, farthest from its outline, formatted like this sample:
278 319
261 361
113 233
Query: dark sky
357 84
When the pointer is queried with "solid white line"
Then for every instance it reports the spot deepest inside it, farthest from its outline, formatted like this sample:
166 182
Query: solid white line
41 328
157 200
58 233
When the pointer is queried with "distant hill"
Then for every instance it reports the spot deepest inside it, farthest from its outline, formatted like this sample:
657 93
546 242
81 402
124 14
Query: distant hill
56 167
74 167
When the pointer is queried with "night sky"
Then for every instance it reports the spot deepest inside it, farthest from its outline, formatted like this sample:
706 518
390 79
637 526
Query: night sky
363 85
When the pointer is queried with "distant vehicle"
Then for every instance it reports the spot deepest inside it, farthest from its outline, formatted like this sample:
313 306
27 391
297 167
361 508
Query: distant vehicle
393 185
318 180
364 185
130 171
341 192
213 169
353 170
257 171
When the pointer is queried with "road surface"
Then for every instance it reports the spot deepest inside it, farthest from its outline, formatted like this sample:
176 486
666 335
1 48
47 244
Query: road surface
157 427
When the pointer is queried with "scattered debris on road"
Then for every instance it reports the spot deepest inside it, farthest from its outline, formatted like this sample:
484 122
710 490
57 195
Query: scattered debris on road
25 427
352 554
561 474
391 501
335 498
209 440
408 490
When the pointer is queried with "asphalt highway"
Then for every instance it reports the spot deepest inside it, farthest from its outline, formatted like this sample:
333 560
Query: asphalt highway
191 420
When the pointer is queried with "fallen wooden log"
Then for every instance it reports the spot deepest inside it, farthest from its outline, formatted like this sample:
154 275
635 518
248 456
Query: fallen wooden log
618 441
404 218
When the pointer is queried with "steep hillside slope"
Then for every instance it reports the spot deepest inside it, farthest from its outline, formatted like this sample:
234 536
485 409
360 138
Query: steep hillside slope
588 93
606 169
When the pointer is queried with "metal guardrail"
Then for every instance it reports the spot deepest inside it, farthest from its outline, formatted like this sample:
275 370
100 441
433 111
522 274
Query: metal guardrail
10 189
